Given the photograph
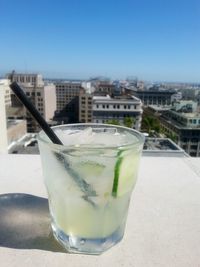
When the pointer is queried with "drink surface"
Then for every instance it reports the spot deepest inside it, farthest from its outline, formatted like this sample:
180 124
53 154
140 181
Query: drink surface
90 180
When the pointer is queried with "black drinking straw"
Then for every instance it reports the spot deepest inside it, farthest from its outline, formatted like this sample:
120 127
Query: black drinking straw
82 184
35 113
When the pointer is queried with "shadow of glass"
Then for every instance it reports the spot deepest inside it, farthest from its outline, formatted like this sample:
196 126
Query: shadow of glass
25 223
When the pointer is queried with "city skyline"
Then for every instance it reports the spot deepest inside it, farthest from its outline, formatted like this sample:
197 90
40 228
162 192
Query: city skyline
150 40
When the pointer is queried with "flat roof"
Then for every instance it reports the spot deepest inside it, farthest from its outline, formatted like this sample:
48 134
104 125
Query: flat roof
160 108
108 98
11 123
160 144
26 145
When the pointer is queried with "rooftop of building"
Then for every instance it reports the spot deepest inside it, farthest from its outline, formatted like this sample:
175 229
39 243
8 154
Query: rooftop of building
162 227
12 122
116 98
15 111
26 145
24 74
151 92
160 107
67 82
162 147
4 81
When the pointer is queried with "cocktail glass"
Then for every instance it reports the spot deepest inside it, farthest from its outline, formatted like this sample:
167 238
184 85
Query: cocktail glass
89 182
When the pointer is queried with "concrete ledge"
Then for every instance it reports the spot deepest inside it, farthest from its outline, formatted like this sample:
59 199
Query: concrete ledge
163 227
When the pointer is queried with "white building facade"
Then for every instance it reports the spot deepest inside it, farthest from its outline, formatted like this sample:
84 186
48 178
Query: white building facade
44 99
3 126
106 109
4 85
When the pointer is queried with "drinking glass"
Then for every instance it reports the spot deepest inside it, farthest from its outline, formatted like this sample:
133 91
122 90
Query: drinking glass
89 181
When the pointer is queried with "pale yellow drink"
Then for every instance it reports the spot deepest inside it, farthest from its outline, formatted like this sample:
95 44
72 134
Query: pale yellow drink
89 182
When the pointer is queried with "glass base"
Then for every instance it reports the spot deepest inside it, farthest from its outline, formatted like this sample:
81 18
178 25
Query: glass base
90 246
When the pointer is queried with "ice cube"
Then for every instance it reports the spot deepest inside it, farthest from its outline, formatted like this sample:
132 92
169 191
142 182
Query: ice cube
75 138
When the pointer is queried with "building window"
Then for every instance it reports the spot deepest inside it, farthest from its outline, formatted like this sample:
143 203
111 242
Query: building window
97 106
38 94
118 106
129 106
28 94
194 121
124 106
114 106
107 106
103 106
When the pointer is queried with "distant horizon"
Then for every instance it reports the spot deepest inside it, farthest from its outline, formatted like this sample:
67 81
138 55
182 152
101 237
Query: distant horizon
53 77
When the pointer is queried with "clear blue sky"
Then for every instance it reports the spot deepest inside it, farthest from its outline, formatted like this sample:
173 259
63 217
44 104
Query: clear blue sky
150 39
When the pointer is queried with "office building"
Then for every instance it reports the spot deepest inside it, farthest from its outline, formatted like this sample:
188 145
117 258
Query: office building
184 129
85 108
106 109
44 99
41 94
26 78
65 92
153 97
104 88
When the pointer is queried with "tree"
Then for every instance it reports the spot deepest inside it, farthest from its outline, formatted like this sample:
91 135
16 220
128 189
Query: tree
113 121
129 122
151 124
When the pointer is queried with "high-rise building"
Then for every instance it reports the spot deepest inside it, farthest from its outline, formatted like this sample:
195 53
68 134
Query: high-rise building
153 97
26 78
42 95
85 108
65 92
44 99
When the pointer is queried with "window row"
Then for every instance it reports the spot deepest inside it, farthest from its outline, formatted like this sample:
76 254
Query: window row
33 94
194 121
117 106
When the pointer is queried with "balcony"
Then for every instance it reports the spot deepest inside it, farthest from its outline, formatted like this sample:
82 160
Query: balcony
163 227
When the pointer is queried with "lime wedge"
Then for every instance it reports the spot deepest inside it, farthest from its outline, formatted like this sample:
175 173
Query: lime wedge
125 173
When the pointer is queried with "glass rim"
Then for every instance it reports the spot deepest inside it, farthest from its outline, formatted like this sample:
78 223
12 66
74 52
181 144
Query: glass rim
140 137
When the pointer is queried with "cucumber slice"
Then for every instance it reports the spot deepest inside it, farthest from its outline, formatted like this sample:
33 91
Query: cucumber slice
125 173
